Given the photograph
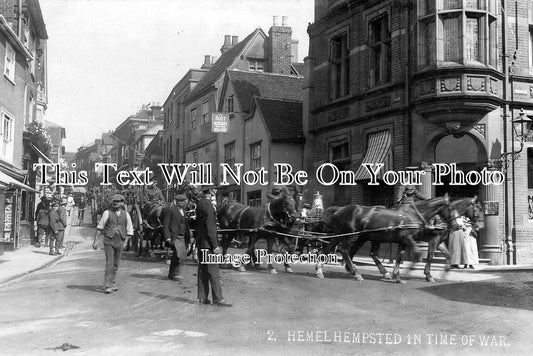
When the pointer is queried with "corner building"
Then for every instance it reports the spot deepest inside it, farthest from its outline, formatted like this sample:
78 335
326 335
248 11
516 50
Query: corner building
412 83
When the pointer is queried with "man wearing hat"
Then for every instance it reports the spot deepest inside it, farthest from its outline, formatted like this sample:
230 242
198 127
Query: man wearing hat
176 230
55 226
116 227
208 273
62 223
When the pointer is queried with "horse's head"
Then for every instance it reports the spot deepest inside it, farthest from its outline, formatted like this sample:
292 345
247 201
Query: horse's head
439 206
471 208
284 209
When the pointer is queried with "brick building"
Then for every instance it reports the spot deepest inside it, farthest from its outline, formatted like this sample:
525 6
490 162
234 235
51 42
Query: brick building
412 83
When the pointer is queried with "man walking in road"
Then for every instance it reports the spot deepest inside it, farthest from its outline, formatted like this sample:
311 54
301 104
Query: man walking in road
208 273
62 223
176 231
55 228
116 226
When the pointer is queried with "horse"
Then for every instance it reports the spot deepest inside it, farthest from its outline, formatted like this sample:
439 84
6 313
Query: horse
275 219
434 235
152 215
356 224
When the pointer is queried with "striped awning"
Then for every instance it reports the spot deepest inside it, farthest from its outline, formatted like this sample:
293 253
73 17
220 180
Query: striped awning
9 182
378 151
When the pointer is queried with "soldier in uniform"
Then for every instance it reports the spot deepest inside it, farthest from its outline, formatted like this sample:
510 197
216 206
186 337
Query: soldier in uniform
55 228
208 273
176 231
116 226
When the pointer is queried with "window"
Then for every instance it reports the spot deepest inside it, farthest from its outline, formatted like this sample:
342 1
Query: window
255 156
208 154
6 147
205 112
530 21
380 53
177 149
193 119
230 104
254 198
339 156
257 65
229 153
9 66
195 157
340 66
466 32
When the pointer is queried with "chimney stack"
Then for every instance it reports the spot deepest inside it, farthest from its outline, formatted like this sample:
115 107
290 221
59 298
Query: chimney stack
234 40
207 62
227 44
213 59
284 21
280 47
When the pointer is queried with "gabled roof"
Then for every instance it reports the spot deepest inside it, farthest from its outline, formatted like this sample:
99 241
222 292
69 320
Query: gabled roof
266 85
220 66
283 118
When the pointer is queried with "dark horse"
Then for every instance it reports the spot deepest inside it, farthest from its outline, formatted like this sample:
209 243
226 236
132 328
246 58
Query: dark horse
358 224
152 215
270 221
434 234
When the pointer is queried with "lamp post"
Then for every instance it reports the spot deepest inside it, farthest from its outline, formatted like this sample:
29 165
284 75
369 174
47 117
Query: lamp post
521 128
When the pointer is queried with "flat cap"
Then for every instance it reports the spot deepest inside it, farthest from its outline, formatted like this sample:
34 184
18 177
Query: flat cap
180 197
117 197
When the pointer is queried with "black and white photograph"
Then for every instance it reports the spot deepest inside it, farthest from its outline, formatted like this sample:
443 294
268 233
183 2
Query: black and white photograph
262 177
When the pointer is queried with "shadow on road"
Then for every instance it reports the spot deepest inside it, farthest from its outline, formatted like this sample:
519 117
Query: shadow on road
169 297
517 295
87 287
42 252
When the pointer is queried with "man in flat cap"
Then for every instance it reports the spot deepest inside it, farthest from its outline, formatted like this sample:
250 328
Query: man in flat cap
55 226
208 273
116 226
176 230
62 223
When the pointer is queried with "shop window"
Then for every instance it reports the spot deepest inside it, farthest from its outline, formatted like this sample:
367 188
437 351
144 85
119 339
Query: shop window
380 51
340 66
254 198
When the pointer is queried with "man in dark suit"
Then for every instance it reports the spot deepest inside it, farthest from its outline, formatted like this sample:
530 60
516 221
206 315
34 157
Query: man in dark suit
176 231
208 273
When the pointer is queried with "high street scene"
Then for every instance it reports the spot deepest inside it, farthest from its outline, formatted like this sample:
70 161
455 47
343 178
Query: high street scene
266 177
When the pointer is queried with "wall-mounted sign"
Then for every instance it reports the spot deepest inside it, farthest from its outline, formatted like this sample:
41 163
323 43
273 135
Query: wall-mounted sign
491 207
220 122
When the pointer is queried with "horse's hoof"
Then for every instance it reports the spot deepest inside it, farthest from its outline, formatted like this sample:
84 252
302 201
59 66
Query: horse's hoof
320 275
387 276
242 269
400 281
273 271
358 277
430 279
289 270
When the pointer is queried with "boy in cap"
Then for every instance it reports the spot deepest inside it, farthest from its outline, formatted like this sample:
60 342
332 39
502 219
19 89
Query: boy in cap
176 230
116 227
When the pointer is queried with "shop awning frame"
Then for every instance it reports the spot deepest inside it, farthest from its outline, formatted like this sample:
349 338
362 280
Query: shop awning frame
10 182
379 150
41 154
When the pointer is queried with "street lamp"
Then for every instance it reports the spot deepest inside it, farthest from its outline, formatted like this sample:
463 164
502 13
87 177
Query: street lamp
521 126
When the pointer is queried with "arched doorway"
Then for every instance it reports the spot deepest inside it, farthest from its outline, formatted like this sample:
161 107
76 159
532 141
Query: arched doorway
467 153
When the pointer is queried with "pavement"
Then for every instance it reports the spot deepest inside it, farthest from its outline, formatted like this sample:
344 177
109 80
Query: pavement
20 263
25 260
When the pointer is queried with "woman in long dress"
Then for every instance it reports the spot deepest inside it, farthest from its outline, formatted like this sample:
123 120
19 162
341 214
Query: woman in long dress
455 244
463 245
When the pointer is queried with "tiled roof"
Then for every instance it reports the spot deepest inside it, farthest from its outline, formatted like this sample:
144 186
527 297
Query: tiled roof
265 85
299 67
223 63
283 119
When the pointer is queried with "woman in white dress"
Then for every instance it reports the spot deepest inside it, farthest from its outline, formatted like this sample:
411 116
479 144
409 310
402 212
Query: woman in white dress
463 245
469 250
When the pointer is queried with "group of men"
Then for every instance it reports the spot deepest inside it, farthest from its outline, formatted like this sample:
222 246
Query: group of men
116 227
51 218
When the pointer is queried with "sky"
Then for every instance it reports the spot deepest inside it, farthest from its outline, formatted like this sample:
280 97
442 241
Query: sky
106 58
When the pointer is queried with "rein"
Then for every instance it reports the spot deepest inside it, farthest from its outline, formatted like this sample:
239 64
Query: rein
269 214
